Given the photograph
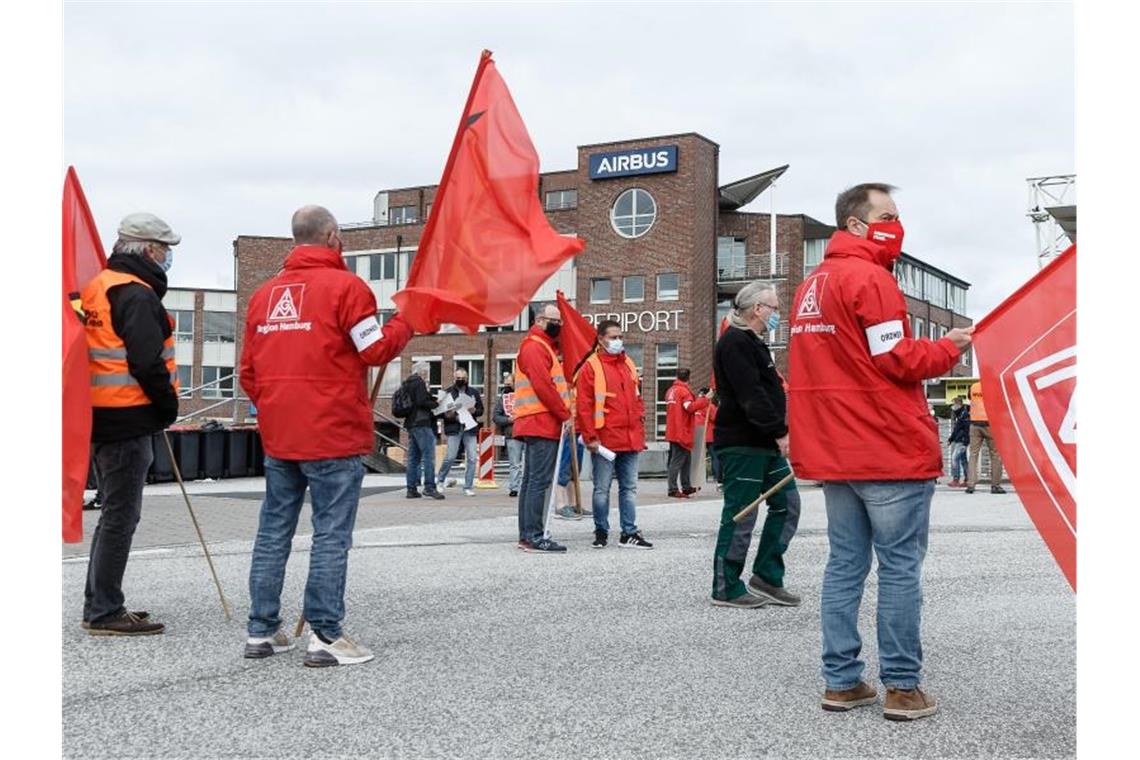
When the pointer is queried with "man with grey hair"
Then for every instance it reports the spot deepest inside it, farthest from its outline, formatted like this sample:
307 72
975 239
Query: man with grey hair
310 335
134 394
417 403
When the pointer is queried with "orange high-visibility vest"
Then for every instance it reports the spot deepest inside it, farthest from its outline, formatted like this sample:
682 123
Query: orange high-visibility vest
526 400
600 387
112 384
977 406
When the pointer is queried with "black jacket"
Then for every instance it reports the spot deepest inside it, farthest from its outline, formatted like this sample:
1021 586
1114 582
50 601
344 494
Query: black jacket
422 404
960 432
753 408
503 423
451 424
138 317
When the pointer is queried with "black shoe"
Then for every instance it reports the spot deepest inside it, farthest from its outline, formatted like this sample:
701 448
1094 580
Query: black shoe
689 491
92 504
125 624
997 489
546 546
633 541
513 494
140 614
414 494
434 495
600 539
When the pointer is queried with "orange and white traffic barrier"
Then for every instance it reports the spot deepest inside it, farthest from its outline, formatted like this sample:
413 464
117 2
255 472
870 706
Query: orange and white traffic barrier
486 469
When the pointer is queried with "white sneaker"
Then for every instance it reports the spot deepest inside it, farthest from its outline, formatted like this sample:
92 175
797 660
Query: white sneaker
468 492
343 651
259 647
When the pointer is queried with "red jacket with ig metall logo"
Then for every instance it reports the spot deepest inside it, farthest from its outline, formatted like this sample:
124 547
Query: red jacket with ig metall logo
856 406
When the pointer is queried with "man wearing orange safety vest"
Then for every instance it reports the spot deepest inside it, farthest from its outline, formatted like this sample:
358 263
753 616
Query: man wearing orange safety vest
134 394
542 406
979 433
611 418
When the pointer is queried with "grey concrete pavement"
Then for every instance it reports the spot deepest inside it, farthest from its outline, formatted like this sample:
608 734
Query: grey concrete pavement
484 651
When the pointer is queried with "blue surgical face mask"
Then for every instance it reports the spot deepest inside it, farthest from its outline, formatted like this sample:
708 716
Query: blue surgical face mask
773 322
614 346
167 262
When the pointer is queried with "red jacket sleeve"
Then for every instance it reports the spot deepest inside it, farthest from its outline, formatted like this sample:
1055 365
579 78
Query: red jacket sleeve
585 403
698 404
881 312
357 317
534 362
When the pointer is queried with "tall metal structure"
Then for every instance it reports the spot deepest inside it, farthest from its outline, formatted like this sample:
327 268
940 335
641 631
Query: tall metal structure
1053 211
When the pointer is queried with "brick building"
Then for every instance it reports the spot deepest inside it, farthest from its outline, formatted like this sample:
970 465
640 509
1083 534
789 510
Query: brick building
205 348
667 247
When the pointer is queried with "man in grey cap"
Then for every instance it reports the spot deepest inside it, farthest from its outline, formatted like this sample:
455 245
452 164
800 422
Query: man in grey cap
134 394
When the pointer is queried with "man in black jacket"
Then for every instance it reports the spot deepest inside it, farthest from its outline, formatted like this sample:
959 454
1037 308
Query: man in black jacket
420 424
461 396
503 417
959 441
134 395
751 440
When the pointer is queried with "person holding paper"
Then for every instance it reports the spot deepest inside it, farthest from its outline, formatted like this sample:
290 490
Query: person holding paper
611 418
462 406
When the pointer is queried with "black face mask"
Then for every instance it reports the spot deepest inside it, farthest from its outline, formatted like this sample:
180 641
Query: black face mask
460 383
552 329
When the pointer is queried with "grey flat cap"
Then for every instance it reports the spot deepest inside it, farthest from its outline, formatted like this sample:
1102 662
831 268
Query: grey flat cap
144 226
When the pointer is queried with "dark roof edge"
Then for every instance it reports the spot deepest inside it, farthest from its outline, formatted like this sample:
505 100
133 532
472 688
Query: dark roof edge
911 258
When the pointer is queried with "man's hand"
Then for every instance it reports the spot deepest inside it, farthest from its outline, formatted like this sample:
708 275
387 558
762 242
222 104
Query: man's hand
961 337
783 444
593 446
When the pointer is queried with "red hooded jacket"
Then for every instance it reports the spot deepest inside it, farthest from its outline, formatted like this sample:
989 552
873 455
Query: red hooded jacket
680 407
310 334
534 362
856 407
624 411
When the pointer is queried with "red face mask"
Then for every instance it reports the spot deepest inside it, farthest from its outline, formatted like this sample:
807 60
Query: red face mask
887 234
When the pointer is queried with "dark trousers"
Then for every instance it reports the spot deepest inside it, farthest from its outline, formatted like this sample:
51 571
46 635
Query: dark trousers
122 473
680 462
716 469
538 473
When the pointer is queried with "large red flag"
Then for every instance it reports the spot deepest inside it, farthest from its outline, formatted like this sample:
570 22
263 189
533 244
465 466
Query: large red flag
578 338
82 259
487 246
1027 350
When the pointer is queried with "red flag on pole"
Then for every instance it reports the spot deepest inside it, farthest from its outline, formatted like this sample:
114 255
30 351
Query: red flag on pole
578 337
487 246
82 259
1027 351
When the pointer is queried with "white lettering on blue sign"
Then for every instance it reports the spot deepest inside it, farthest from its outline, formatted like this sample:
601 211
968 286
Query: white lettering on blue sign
632 162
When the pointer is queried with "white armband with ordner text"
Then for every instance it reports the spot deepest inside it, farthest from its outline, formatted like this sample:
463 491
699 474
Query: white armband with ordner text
881 338
365 332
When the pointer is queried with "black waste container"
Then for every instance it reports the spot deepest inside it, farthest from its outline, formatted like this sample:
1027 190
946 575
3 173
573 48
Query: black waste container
161 469
186 451
237 453
212 453
256 454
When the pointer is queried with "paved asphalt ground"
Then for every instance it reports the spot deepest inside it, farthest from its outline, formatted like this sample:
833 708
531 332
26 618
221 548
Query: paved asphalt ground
484 651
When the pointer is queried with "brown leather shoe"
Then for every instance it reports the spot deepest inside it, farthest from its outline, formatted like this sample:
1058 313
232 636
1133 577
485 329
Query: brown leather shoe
126 624
848 699
140 614
910 704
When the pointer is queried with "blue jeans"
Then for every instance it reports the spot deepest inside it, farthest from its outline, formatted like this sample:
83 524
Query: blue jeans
538 472
893 518
515 451
467 440
421 458
625 463
335 488
959 464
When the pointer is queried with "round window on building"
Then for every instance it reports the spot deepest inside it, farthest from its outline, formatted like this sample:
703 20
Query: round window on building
633 213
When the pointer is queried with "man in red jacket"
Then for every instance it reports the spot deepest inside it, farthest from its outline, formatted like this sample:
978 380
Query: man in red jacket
680 408
611 419
311 333
861 425
542 406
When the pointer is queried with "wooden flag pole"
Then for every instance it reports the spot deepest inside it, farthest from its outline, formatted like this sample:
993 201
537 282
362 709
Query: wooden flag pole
752 507
574 465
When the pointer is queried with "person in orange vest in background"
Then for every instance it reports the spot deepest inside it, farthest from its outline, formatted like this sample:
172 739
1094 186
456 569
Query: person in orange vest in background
680 407
979 432
542 407
611 419
134 394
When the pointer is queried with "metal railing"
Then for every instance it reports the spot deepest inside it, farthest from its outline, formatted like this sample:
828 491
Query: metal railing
755 269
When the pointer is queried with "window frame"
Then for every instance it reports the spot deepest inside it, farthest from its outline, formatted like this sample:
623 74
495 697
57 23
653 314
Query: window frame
217 391
562 204
634 215
609 284
677 294
663 374
217 337
624 291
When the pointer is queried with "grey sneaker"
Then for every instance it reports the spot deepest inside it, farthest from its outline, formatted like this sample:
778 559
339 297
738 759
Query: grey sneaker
568 513
545 546
745 601
343 651
774 594
267 646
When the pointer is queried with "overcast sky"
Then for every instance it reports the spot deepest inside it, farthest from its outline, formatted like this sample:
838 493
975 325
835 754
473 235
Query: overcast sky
224 118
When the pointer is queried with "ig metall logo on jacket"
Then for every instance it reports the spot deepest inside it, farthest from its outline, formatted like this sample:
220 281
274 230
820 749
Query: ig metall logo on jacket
809 308
284 312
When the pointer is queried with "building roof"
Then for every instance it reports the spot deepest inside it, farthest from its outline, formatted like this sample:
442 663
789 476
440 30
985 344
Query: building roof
1066 216
740 193
931 268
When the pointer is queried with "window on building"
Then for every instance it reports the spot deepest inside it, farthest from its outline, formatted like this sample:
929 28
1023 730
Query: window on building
427 211
218 326
813 254
633 288
402 215
633 213
474 369
668 286
507 366
667 359
637 354
183 325
957 299
730 258
966 357
384 315
381 266
560 199
600 290
350 263
918 328
217 382
934 327
185 381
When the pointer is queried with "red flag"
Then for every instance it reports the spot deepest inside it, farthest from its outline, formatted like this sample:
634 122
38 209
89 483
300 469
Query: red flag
82 259
578 337
1027 351
487 246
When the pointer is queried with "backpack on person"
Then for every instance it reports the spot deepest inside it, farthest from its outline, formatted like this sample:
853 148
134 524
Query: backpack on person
402 401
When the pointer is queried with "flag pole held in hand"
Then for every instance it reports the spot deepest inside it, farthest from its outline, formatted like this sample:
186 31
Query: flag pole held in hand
742 514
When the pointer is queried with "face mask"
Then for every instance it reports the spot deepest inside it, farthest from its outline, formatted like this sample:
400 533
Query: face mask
552 329
773 322
167 262
460 383
614 346
887 234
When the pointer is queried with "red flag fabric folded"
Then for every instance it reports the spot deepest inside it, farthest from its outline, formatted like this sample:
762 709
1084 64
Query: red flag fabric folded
82 259
487 246
1027 352
578 337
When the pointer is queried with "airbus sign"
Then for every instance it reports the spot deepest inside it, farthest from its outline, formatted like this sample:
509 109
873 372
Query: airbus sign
627 163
